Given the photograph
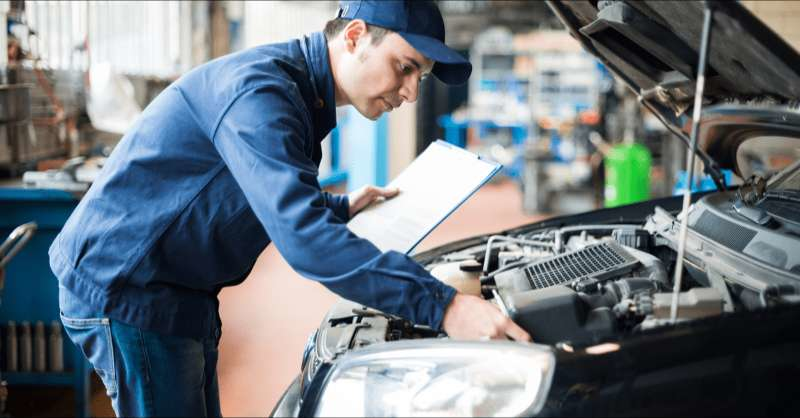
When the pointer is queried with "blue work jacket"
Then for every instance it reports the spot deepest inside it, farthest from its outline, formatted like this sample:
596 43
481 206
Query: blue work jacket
223 162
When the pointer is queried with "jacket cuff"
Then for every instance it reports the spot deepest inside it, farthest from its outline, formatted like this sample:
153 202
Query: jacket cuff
339 204
442 296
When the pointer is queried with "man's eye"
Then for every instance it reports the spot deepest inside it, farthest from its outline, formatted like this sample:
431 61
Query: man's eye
405 69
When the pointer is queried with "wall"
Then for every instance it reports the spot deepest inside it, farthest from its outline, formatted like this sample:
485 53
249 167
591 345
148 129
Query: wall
402 138
276 21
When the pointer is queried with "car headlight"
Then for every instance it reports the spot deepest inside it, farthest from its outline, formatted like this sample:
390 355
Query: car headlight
441 378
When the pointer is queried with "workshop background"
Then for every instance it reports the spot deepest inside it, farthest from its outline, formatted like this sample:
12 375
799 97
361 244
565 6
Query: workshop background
78 73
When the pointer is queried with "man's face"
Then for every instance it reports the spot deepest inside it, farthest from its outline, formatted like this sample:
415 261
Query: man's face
379 78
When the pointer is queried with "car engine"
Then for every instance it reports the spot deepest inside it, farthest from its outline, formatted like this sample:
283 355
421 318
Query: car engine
586 284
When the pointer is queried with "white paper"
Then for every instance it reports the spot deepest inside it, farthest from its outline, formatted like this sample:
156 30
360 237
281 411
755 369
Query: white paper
431 187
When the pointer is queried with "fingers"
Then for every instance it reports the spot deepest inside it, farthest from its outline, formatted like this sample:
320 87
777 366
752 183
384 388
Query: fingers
505 329
386 192
390 192
516 332
367 195
472 318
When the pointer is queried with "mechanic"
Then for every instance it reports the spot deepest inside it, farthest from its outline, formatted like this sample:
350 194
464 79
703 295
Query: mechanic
220 164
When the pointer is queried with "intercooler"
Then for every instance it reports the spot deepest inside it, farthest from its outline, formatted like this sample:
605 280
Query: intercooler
603 260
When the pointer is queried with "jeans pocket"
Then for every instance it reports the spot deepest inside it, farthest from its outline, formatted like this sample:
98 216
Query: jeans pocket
93 336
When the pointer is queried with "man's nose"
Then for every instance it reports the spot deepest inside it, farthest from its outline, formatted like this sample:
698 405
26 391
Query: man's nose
409 90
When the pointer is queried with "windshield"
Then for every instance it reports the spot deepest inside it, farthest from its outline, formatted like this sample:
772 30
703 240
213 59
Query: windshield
765 155
787 180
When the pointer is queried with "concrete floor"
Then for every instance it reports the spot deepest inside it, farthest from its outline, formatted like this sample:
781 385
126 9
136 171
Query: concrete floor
268 318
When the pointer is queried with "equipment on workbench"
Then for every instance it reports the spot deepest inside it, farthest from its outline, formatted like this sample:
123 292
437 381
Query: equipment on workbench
29 349
76 175
11 347
55 348
39 351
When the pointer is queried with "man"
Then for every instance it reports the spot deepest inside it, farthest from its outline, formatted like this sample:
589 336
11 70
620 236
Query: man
222 163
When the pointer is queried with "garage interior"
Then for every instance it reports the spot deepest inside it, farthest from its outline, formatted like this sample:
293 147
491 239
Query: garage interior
78 74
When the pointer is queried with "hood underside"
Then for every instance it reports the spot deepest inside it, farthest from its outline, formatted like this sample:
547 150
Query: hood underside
653 47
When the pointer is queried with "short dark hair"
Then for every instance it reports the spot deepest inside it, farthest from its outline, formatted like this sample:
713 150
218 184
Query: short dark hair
335 26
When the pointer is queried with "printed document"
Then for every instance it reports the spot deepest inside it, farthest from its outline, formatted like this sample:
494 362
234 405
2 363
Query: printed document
436 183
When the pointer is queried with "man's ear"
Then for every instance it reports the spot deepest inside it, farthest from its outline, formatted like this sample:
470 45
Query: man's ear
354 32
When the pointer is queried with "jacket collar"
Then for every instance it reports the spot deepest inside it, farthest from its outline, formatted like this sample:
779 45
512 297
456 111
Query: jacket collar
323 104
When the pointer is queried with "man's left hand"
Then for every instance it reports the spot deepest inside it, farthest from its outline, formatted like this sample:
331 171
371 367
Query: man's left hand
366 195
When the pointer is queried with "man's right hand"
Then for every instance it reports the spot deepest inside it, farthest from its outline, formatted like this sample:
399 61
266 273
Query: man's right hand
472 318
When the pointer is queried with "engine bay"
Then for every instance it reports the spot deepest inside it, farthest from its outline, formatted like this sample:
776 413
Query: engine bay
585 284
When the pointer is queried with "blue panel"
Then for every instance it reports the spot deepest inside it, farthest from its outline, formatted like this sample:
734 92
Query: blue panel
336 177
43 195
454 132
701 183
38 379
31 290
367 144
335 139
382 151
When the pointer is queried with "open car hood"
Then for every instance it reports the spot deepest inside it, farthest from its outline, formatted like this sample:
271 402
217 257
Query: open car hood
653 48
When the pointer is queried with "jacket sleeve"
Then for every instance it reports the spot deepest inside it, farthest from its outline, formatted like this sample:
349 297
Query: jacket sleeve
339 204
262 138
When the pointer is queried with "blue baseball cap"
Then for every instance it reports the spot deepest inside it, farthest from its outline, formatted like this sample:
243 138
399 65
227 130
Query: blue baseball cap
420 23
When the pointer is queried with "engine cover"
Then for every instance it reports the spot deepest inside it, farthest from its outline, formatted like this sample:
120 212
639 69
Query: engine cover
557 314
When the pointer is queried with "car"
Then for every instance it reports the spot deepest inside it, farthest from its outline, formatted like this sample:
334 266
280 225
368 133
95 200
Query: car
612 332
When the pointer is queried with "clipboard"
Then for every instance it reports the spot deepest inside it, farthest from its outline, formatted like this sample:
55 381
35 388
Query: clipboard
432 187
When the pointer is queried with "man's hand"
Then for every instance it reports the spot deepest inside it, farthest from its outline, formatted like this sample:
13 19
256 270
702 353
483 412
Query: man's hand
472 318
364 196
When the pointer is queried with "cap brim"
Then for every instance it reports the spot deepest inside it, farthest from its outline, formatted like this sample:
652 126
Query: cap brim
449 66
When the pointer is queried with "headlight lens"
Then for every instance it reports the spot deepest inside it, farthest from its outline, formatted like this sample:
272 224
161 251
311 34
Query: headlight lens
439 378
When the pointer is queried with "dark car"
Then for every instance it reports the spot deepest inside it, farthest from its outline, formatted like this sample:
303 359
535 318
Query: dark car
613 333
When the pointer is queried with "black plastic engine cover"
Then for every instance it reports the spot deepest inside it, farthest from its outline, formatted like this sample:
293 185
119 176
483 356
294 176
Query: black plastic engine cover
557 314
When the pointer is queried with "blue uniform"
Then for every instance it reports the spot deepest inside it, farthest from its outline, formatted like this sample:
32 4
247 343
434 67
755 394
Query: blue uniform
220 164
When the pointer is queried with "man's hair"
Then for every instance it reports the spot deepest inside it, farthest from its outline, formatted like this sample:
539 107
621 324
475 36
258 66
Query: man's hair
335 26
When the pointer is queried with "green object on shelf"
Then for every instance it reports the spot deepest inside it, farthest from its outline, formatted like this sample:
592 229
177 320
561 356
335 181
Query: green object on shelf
627 174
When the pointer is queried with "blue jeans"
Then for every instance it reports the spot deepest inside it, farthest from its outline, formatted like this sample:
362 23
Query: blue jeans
145 373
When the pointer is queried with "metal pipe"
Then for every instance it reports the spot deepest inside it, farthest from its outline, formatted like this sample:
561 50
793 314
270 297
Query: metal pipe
55 348
25 347
559 233
708 13
15 241
12 349
39 348
494 238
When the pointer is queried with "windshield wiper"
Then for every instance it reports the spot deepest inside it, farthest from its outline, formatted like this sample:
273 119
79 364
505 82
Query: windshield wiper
755 214
747 196
784 194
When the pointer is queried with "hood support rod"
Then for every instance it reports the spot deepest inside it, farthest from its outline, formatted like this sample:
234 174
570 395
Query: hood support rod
708 13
